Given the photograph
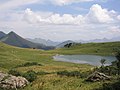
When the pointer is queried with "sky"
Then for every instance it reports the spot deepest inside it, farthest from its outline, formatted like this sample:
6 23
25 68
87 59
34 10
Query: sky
61 20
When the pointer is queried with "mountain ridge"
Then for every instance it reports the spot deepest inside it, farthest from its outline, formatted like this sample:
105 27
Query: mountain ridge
2 34
15 40
43 41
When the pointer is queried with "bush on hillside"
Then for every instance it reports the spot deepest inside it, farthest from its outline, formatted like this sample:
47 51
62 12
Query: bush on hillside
30 75
29 64
108 70
86 74
69 74
42 73
14 72
110 86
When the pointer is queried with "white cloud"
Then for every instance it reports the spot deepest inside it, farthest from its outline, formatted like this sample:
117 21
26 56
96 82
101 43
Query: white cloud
10 4
65 19
58 27
115 29
96 15
33 17
118 17
111 31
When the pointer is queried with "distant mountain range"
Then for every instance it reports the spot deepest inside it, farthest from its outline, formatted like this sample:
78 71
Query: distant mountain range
15 40
2 34
60 44
115 39
100 40
43 41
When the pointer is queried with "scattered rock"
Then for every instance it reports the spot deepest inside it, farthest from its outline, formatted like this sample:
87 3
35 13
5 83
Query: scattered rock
97 76
12 82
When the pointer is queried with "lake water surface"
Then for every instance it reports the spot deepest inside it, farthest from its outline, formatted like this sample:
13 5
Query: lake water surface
85 59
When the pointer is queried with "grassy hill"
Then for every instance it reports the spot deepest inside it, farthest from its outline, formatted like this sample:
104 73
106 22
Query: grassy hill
90 48
10 57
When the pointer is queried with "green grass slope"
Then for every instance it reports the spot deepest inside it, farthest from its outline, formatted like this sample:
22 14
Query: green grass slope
11 57
90 48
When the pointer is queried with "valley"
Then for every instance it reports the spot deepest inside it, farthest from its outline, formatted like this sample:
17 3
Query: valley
11 57
59 44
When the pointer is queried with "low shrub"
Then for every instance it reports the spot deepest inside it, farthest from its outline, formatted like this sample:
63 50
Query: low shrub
108 70
86 74
67 73
42 73
110 86
30 75
29 64
14 72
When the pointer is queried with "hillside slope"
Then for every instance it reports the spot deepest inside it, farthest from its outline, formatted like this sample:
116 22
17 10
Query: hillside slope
11 56
16 40
2 34
61 45
107 48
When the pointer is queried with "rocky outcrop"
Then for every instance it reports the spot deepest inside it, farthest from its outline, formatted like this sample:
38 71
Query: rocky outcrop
12 82
97 76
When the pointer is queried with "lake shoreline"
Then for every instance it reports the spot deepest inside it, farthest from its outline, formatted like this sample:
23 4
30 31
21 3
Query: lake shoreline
93 60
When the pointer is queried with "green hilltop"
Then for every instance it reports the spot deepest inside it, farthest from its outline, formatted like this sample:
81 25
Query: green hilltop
90 48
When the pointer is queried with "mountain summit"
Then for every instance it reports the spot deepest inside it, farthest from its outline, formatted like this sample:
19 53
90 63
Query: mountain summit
15 40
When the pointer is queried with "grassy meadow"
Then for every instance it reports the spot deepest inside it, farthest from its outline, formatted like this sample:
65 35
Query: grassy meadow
90 48
10 57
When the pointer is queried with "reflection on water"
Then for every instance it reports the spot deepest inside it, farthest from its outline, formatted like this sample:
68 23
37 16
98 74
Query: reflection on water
85 59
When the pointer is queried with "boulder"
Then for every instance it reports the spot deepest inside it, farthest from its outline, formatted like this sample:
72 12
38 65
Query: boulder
12 82
97 76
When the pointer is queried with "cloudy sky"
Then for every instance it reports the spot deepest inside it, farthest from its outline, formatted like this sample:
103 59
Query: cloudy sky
61 20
